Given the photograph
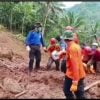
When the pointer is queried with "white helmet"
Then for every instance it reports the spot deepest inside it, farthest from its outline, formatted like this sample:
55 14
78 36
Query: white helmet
95 44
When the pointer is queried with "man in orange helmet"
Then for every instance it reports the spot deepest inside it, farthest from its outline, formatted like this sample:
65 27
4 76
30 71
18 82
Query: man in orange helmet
53 49
75 73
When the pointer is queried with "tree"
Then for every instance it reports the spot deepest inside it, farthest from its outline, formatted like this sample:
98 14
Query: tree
72 20
46 11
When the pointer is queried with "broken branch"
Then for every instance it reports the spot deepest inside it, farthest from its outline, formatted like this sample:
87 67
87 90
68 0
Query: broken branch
91 85
19 94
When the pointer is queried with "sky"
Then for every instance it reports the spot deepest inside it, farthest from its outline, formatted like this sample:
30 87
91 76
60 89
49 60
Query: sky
70 4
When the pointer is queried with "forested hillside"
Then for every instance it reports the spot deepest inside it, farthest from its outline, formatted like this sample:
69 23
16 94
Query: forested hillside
20 16
90 10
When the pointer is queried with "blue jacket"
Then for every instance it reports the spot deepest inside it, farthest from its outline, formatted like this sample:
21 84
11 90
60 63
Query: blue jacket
35 38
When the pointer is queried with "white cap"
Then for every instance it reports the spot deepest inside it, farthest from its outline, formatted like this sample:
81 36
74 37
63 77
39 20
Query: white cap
95 44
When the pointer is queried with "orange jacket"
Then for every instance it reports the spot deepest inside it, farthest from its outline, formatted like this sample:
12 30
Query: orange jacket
75 69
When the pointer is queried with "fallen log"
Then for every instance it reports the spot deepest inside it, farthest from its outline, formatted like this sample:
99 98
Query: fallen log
91 85
19 94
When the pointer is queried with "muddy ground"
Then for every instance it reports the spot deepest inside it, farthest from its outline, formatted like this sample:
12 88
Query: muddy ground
14 77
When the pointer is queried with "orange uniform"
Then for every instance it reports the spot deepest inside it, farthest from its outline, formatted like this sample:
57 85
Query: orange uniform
75 69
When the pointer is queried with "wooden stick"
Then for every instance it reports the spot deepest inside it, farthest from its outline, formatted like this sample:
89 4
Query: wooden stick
2 87
19 94
91 85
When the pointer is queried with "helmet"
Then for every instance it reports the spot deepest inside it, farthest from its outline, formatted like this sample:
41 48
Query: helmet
95 44
53 41
68 35
69 28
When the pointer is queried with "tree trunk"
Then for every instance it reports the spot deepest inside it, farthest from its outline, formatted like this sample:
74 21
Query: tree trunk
23 22
46 17
11 21
23 26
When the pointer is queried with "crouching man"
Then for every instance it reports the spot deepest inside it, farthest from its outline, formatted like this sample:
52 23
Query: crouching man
53 50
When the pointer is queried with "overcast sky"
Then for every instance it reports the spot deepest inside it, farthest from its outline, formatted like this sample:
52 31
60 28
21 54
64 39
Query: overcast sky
70 4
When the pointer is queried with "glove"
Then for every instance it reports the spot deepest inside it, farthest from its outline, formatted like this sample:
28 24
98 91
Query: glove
28 48
74 87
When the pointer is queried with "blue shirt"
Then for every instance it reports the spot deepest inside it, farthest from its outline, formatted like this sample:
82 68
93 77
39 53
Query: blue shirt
63 44
35 38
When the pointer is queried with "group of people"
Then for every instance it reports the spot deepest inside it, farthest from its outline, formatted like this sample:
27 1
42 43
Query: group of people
68 55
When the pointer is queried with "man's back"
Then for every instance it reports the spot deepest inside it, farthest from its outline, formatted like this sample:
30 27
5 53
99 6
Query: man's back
75 65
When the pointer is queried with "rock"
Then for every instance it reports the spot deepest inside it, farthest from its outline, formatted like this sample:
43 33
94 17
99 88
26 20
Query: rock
12 85
88 96
5 53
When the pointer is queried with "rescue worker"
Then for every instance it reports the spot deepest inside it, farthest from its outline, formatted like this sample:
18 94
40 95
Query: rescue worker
72 29
75 73
63 56
33 42
53 50
95 56
87 55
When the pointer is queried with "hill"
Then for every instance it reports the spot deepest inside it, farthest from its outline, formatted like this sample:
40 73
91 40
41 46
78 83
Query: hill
89 10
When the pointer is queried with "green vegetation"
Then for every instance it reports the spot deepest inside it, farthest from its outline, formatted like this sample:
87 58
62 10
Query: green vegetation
20 16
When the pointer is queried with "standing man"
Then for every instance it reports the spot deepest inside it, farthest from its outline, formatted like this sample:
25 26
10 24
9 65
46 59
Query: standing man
34 41
75 72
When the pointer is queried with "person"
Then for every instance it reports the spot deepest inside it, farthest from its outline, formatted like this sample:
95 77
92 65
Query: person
53 49
61 42
75 35
63 46
75 73
33 43
95 56
87 55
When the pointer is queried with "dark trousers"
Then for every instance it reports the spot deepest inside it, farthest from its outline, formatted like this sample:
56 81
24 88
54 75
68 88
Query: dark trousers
34 53
50 61
63 66
95 65
80 92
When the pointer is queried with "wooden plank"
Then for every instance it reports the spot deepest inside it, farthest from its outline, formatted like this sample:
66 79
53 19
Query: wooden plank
91 85
20 94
